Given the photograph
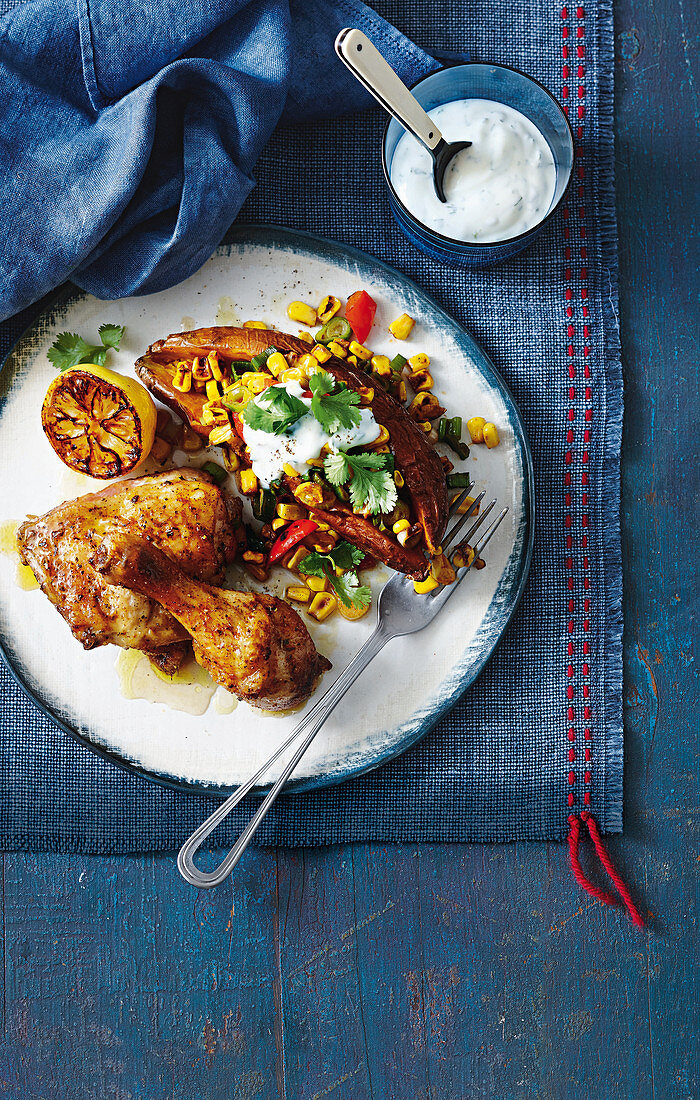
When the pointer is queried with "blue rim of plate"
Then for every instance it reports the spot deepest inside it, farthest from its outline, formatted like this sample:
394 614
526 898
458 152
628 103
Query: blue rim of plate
275 235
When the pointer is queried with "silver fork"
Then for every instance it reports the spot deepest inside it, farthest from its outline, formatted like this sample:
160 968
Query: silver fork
400 610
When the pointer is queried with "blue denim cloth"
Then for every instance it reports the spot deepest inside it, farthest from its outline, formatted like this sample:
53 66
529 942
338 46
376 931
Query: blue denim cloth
499 767
130 131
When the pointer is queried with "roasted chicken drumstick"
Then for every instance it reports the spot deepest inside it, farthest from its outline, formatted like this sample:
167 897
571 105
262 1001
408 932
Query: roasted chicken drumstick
182 511
255 645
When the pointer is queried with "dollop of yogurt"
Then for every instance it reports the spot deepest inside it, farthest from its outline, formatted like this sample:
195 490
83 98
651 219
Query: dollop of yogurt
498 188
302 441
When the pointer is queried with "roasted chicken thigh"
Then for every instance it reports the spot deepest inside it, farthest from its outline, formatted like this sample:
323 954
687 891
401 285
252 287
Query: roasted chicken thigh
181 511
255 645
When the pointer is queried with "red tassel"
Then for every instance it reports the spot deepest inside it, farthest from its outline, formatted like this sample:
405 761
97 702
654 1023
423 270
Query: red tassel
603 856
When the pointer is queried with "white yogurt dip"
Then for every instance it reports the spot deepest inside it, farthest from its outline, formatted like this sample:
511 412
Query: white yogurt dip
500 187
301 442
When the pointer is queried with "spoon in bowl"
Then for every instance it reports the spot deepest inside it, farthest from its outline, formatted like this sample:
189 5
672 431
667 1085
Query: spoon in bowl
375 74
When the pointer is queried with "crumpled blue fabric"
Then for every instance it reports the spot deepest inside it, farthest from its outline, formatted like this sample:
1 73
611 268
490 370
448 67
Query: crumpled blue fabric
130 130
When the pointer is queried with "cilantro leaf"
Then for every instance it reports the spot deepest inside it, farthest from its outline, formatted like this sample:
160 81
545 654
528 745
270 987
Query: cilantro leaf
345 555
279 411
111 335
372 487
349 590
347 587
69 349
333 410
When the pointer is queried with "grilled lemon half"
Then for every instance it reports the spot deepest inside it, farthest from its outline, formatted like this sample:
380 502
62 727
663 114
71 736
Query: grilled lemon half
98 422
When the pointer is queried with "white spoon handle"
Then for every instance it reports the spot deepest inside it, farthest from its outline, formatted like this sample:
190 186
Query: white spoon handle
369 67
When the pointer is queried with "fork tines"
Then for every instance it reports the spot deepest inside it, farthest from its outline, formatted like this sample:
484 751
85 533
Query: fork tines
463 519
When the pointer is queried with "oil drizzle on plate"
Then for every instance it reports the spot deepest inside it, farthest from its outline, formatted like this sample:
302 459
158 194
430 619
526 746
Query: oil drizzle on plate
227 311
190 690
24 578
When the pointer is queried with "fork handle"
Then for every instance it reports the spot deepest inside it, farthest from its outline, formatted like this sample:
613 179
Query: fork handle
310 725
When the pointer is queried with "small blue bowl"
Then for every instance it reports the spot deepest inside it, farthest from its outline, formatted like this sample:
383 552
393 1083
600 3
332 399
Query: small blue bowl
502 84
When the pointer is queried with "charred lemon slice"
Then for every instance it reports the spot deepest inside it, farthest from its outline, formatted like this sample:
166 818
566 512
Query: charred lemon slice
98 422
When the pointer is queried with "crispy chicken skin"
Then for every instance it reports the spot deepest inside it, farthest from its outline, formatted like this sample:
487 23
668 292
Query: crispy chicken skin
255 645
182 511
418 462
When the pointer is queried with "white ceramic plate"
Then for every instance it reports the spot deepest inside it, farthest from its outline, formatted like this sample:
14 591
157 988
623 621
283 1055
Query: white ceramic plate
414 680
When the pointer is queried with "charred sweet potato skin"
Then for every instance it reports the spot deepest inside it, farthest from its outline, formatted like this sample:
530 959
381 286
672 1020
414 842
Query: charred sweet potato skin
413 456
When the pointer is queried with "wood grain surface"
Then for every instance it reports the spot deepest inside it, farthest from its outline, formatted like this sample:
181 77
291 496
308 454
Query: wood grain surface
439 972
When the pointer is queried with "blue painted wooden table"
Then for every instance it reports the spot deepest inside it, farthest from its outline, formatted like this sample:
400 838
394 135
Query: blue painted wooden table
439 972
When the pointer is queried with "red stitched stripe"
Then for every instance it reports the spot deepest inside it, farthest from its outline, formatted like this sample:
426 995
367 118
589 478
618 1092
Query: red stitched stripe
569 454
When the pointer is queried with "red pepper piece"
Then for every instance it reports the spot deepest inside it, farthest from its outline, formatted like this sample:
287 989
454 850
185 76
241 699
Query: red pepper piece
292 536
359 314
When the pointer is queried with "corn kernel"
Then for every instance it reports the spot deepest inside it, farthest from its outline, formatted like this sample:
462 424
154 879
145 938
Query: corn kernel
214 367
321 353
402 390
308 363
231 460
442 570
401 525
220 434
427 585
276 363
182 380
360 350
305 336
322 606
213 391
249 482
337 349
297 592
259 572
353 360
366 395
290 512
309 494
381 440
402 327
207 416
491 435
426 426
352 613
294 374
277 523
475 427
421 380
463 556
201 372
317 462
256 381
254 556
328 308
301 312
381 364
254 324
299 554
317 584
399 479
419 361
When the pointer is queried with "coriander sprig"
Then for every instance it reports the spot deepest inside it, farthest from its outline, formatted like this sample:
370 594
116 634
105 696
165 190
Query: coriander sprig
333 410
347 586
371 483
69 349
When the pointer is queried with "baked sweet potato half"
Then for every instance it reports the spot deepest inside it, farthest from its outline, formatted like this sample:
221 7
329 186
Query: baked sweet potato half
168 365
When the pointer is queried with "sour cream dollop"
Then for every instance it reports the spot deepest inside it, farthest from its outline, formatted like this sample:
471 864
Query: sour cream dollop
500 187
302 441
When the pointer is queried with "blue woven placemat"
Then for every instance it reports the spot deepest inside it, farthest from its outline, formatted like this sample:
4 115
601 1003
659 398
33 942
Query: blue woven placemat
540 733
